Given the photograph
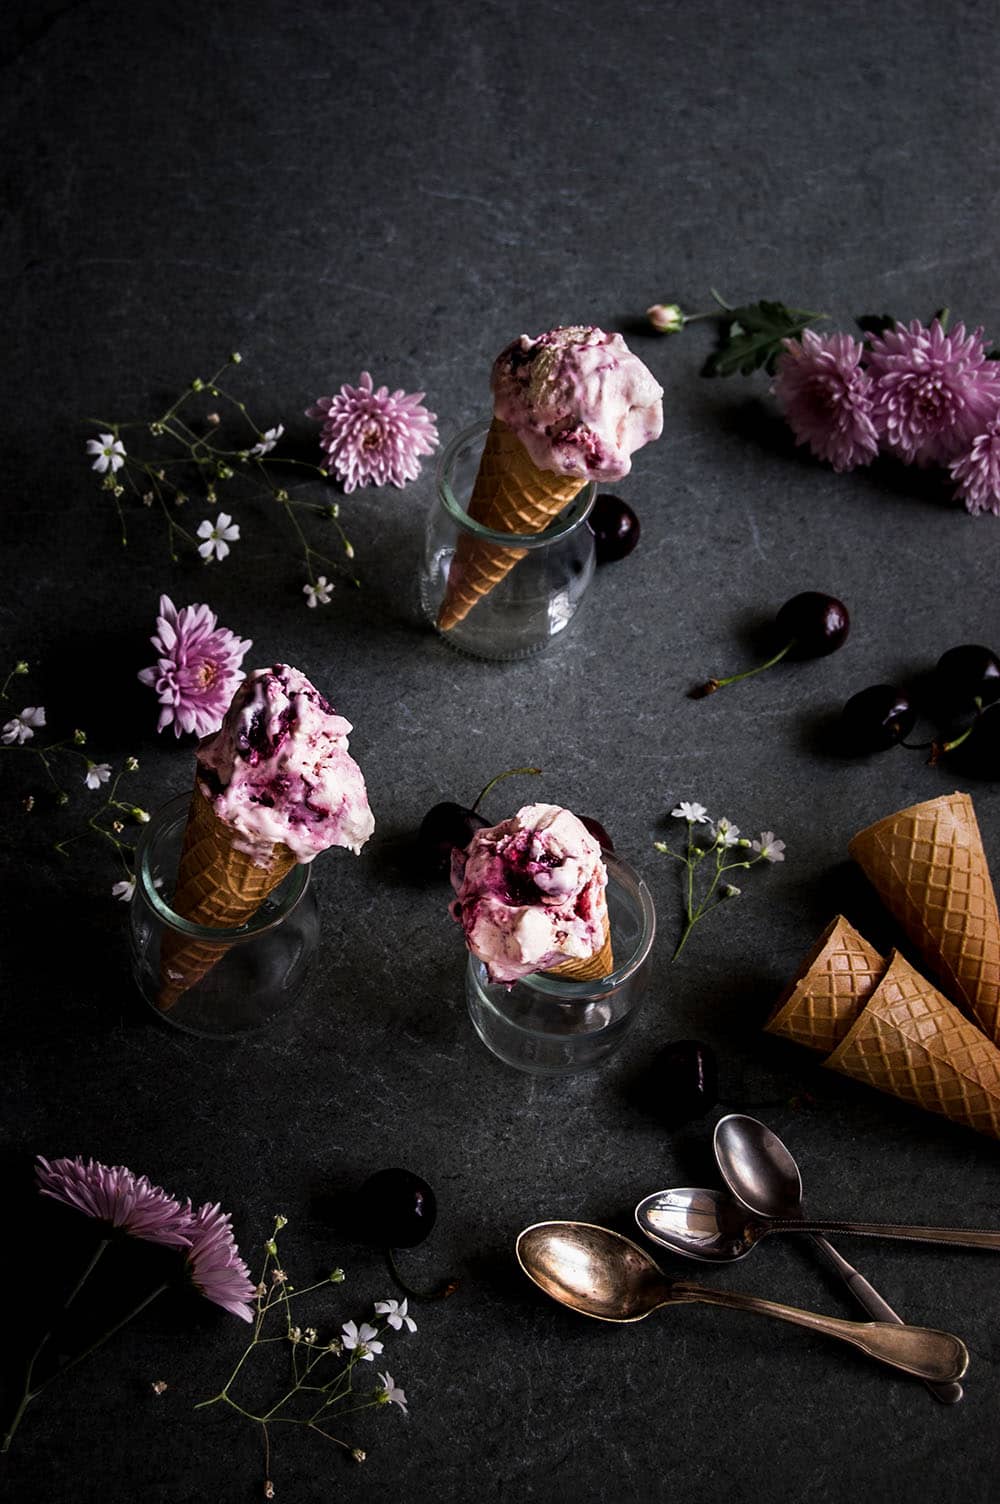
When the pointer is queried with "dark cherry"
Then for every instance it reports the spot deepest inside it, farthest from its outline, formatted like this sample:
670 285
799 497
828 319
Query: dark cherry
598 832
615 528
967 678
395 1209
442 829
980 746
875 719
686 1076
810 625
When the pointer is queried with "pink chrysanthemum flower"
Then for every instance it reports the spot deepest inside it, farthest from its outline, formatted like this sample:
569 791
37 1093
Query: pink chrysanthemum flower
374 437
933 392
826 398
112 1194
214 1262
198 668
978 472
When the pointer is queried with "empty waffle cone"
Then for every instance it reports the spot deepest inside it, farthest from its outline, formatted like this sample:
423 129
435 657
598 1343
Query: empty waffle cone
217 886
910 1042
510 495
589 968
929 868
829 990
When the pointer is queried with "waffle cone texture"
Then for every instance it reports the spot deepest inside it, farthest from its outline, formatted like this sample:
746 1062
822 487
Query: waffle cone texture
928 866
829 990
218 887
510 495
912 1043
590 968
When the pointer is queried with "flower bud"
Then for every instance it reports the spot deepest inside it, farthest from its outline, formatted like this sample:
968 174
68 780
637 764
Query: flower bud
336 1276
280 1222
80 738
62 798
236 358
141 815
197 384
667 318
20 667
131 765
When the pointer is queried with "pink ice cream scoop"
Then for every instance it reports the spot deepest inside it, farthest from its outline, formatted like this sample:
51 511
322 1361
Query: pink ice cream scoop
531 893
578 399
278 770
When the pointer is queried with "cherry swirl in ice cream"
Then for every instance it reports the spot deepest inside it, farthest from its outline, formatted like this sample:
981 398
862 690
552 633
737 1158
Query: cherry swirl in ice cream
278 770
578 399
531 893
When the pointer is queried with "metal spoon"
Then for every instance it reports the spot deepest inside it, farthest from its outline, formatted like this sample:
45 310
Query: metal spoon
764 1177
599 1273
711 1226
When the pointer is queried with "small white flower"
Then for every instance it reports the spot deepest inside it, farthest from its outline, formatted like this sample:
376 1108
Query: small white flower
360 1342
217 538
769 847
267 442
696 813
109 451
390 1394
23 727
125 890
96 774
395 1314
318 594
726 835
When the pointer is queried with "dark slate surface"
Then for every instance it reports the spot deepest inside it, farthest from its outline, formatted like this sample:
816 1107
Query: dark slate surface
403 189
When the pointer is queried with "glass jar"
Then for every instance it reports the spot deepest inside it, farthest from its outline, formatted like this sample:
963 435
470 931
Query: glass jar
240 979
544 575
549 1026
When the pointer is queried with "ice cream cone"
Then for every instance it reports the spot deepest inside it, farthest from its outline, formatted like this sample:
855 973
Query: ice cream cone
929 868
591 968
829 990
910 1042
217 886
511 495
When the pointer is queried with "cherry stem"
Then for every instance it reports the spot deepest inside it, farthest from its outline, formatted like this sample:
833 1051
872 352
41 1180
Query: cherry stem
711 685
941 749
499 779
439 1292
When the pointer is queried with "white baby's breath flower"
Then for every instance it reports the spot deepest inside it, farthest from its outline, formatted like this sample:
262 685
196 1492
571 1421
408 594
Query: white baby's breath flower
696 813
726 834
217 538
390 1394
362 1342
22 727
769 847
109 451
267 442
318 594
395 1314
125 890
96 774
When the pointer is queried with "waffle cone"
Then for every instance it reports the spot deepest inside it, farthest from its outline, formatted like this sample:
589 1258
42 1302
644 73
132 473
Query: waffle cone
929 868
510 495
590 968
217 886
829 989
910 1042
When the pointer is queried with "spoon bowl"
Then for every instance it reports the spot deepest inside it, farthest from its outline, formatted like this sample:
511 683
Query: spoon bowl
757 1167
698 1224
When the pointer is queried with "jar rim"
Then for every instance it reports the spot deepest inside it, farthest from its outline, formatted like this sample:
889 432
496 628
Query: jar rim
579 508
560 989
172 813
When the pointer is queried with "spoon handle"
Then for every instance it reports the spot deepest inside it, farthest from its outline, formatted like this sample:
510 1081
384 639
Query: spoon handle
962 1237
914 1349
878 1309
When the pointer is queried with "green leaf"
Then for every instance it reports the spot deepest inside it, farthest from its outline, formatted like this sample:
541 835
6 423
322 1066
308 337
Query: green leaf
754 337
876 323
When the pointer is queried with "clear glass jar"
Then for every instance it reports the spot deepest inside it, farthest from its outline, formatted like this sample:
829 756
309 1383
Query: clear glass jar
244 978
548 1026
549 571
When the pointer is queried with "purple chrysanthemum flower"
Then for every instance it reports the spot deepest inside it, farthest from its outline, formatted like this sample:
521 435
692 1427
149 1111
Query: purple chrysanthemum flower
112 1194
827 399
374 437
933 392
198 668
214 1262
978 472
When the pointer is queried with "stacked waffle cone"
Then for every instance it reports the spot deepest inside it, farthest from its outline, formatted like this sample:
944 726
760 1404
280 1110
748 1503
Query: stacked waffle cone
511 495
591 969
882 1022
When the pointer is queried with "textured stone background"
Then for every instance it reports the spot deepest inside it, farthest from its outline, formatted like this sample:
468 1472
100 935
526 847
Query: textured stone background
402 188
